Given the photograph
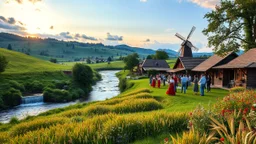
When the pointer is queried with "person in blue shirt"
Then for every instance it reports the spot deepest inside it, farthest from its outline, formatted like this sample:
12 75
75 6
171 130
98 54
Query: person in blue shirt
202 82
184 81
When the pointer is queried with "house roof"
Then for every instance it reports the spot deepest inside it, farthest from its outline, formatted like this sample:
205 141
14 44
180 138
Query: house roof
246 60
156 68
211 62
189 62
150 63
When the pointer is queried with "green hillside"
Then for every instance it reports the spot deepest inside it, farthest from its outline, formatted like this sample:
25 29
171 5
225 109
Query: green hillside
22 63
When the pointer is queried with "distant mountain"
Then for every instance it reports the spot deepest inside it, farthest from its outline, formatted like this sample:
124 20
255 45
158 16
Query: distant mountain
170 52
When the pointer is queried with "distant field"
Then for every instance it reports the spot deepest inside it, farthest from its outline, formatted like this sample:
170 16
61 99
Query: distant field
171 62
112 65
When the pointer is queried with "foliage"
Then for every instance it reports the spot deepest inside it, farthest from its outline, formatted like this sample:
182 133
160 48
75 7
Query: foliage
9 47
53 60
232 24
34 87
14 84
14 120
131 61
56 95
12 97
88 61
82 75
3 63
150 57
152 72
237 89
237 101
162 55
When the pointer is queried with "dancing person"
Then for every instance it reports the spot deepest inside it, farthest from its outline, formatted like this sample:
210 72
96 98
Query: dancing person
175 82
202 82
184 81
209 81
158 81
195 84
150 79
153 81
163 78
171 90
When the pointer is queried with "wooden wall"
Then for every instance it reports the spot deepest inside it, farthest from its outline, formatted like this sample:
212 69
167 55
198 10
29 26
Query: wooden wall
251 78
240 77
218 78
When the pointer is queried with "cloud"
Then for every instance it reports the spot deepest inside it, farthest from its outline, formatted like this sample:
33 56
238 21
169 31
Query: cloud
21 1
169 30
89 38
51 27
143 0
66 35
204 3
10 24
114 37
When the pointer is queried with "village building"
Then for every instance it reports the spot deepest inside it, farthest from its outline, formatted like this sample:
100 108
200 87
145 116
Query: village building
157 65
184 65
206 67
241 71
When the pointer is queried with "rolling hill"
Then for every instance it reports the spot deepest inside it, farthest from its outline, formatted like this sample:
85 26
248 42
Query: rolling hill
22 63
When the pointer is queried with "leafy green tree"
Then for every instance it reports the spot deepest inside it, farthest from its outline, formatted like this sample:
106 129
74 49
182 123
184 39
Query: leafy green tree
150 57
53 60
161 55
131 61
9 47
3 63
232 25
88 60
82 75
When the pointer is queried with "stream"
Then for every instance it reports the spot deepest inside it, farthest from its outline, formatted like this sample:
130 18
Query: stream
104 89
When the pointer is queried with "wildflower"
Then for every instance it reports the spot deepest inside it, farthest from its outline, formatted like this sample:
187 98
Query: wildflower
166 140
190 113
222 139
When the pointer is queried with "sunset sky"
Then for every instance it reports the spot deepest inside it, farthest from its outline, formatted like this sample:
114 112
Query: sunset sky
140 23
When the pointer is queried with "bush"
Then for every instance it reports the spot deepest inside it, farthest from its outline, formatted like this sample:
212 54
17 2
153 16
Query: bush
237 101
14 120
237 89
34 87
12 97
61 84
56 95
3 63
122 85
16 85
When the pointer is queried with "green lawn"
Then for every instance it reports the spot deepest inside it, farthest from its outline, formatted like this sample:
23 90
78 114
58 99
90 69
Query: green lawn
171 62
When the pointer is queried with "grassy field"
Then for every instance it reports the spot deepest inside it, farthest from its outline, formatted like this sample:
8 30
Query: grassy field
171 62
101 66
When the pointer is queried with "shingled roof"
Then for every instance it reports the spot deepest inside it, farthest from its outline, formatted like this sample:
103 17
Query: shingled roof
246 60
189 62
151 64
214 60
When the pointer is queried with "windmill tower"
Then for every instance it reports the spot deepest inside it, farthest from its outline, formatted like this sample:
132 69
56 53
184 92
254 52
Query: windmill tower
186 46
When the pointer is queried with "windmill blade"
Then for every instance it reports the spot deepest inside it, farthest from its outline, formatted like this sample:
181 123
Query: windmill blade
191 32
180 36
195 48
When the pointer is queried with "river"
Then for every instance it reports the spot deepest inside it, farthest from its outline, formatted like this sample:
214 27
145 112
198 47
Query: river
104 89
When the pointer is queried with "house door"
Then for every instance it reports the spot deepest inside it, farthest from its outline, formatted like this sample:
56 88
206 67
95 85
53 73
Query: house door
228 75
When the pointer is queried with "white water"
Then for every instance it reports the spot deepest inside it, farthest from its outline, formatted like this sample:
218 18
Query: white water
107 88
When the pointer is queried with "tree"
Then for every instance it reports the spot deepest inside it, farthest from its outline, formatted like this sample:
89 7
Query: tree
232 25
53 60
88 60
82 75
131 61
109 59
3 63
161 55
9 47
150 57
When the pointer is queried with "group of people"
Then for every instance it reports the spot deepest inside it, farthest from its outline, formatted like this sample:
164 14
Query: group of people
184 80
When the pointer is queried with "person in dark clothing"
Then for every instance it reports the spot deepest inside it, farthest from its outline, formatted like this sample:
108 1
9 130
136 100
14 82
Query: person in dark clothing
209 81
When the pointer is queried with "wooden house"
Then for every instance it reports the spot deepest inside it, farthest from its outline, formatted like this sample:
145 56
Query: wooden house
241 71
157 65
184 65
206 67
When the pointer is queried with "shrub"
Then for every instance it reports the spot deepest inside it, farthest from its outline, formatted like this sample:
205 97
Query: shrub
61 84
237 101
123 85
34 87
3 63
12 97
56 95
16 85
82 75
237 89
14 120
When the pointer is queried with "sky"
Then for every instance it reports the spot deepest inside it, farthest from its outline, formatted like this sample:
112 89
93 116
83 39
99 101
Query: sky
138 23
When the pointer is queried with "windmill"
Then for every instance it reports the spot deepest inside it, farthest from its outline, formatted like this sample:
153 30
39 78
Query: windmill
186 46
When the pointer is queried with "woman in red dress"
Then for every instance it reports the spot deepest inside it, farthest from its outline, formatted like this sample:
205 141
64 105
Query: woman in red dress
171 90
158 81
153 84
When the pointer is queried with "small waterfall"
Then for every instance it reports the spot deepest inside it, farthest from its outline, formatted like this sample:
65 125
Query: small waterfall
32 99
